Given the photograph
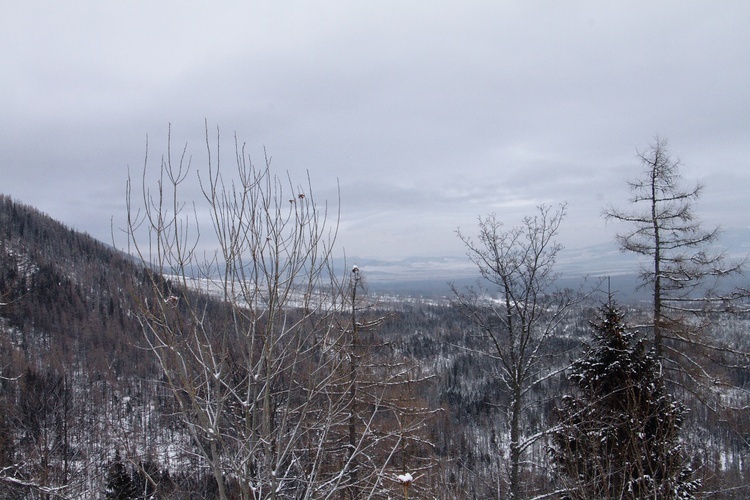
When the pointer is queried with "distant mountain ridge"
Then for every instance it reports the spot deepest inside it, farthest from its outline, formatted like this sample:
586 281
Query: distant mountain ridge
413 275
431 275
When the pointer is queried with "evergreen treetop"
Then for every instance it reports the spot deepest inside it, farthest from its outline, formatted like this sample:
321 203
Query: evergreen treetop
618 436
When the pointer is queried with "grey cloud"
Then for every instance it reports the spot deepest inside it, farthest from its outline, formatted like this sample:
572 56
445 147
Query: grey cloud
428 115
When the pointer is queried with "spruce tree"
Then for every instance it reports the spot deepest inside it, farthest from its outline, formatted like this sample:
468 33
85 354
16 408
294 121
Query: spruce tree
618 437
119 482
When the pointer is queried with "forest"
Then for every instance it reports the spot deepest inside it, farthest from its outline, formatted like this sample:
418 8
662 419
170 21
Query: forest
262 371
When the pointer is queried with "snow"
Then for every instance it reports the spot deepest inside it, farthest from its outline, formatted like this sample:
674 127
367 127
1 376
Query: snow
405 478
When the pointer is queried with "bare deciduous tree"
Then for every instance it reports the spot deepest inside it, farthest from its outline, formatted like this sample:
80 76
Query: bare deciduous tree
259 342
518 266
385 430
687 278
244 335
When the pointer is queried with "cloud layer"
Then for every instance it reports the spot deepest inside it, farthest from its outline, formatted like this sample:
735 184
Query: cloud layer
426 114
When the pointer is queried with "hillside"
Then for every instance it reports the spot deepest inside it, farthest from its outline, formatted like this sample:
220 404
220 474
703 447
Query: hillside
70 349
68 298
86 411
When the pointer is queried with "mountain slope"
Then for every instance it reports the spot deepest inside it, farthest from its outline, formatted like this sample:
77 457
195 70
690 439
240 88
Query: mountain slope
64 293
72 364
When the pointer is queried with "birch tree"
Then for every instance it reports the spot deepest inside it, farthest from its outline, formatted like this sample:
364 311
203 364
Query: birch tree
260 341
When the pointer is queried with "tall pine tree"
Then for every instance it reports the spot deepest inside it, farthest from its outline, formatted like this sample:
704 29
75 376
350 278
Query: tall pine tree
618 437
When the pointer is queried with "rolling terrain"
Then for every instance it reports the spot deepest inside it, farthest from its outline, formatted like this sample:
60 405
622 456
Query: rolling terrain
84 407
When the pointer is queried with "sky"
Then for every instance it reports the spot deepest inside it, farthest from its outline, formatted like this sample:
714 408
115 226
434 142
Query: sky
425 115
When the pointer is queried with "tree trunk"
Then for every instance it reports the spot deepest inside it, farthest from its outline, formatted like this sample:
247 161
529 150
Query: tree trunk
353 490
515 443
657 269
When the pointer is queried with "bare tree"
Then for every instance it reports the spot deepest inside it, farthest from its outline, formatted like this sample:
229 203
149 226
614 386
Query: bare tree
689 285
686 277
385 430
518 267
683 272
244 336
260 341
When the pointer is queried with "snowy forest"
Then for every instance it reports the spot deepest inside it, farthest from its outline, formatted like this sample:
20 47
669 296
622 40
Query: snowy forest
268 370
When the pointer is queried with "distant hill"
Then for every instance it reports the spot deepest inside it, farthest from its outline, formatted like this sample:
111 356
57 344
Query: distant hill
72 359
430 276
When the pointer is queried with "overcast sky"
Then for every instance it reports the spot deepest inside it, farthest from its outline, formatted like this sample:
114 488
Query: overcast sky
427 114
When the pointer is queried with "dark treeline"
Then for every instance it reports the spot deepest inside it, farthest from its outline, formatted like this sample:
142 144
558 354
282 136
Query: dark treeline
85 412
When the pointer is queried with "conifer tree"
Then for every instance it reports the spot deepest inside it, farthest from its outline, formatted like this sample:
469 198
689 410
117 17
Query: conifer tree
119 482
618 437
686 276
